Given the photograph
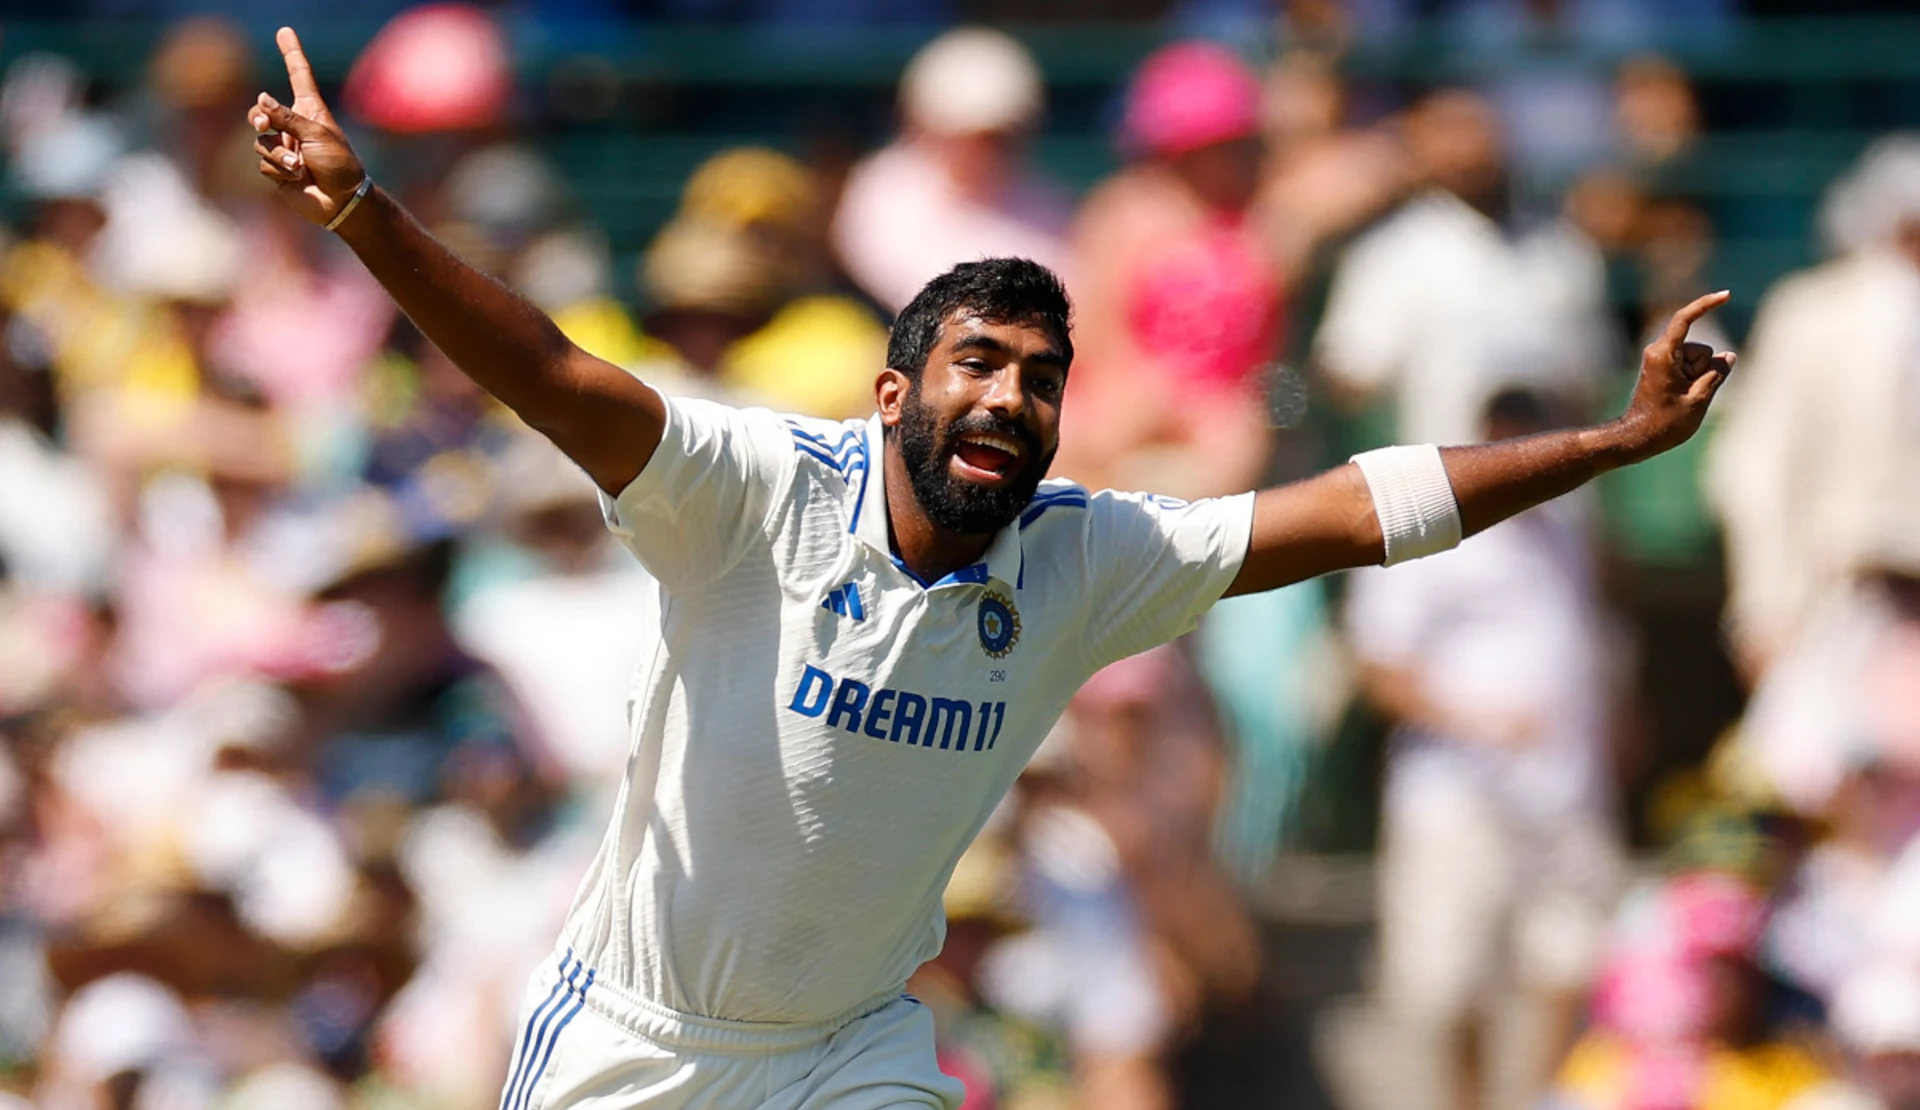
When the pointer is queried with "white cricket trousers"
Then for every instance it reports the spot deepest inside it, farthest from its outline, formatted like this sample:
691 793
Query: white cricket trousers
582 1044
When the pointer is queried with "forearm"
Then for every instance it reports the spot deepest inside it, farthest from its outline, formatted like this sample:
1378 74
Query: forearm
1410 502
1332 521
1494 481
596 413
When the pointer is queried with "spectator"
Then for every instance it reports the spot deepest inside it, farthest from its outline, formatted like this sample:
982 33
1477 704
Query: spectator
1325 179
1498 856
561 586
1446 302
1682 1018
955 184
1175 293
819 350
1808 478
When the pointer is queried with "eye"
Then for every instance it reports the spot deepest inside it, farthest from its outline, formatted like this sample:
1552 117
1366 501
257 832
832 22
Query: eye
1049 386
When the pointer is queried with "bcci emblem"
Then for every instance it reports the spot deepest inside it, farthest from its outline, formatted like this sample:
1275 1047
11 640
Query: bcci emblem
999 624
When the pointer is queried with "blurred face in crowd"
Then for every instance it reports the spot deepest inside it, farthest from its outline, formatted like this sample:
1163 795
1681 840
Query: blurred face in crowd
979 426
1657 114
1224 176
1454 139
979 163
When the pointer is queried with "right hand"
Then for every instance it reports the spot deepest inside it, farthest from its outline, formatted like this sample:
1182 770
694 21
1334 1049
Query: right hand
301 148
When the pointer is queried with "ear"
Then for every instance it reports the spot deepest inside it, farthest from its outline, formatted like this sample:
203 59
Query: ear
890 394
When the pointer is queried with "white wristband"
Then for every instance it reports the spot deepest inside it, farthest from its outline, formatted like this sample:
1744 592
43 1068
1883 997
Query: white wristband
1412 499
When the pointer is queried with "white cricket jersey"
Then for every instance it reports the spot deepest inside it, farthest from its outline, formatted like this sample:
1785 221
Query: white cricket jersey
817 733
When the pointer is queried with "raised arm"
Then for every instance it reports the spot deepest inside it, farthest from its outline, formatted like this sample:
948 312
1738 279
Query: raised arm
1328 522
603 418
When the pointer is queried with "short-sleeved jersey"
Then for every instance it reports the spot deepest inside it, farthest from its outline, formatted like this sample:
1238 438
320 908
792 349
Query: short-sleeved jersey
817 733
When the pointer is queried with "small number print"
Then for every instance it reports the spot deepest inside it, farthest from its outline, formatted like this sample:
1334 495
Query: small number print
996 676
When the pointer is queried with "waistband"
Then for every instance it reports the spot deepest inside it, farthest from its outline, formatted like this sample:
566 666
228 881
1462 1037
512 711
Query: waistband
673 1029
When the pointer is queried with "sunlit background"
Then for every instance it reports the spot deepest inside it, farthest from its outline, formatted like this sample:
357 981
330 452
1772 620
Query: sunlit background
313 661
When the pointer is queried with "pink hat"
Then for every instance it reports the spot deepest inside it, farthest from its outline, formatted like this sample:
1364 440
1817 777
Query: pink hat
443 67
1190 95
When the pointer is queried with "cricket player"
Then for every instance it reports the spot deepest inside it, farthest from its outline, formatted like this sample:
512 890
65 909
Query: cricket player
865 629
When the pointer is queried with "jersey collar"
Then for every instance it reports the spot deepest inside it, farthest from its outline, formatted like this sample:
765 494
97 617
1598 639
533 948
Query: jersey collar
1003 557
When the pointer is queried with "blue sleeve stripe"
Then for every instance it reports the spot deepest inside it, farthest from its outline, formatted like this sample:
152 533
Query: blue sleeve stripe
846 438
546 1056
848 458
808 449
1039 507
529 1043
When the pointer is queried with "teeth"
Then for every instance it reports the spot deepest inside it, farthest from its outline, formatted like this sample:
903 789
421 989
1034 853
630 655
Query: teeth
1011 447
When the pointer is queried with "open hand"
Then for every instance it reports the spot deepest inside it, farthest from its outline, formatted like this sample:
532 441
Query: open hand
1677 381
301 148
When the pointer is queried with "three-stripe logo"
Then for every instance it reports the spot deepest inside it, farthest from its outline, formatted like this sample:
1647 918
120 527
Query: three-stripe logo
845 600
539 1044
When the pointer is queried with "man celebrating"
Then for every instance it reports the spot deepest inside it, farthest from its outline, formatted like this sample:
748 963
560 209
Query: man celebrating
865 630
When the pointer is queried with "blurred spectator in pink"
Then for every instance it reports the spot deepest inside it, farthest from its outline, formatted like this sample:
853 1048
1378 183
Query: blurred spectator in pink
1447 301
955 185
1810 477
1177 301
1681 1018
1498 858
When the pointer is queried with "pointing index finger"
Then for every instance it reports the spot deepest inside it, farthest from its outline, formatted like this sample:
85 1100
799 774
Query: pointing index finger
1676 332
299 71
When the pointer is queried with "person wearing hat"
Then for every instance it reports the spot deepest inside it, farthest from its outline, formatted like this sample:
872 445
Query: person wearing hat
955 184
864 632
1176 293
1808 479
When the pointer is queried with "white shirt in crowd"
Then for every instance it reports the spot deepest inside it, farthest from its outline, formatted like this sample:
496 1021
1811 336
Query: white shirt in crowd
1504 627
817 733
1439 309
1816 483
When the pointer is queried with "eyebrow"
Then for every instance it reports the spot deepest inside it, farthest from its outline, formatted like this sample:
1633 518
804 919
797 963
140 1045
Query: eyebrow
990 345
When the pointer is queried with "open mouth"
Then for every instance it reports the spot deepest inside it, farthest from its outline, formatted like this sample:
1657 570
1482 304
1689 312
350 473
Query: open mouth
985 456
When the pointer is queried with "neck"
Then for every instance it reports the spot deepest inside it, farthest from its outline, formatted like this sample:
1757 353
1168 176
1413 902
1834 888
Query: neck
929 550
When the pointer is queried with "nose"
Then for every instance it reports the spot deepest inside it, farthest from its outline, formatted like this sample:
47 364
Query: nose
1007 396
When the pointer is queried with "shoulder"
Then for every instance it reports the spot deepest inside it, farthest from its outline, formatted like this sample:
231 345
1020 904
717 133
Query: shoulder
1062 511
1057 503
836 446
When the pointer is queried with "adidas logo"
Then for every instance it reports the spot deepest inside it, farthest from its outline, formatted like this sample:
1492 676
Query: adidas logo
846 602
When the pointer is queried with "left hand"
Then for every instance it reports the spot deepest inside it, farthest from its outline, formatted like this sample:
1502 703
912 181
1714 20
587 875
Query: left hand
302 150
1677 382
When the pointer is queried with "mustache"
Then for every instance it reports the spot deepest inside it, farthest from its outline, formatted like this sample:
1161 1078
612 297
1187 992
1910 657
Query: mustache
985 423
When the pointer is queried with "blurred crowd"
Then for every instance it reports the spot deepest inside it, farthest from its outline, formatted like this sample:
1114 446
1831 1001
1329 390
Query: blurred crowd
313 661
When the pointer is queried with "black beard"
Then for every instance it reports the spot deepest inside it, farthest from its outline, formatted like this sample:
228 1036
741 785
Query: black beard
956 505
